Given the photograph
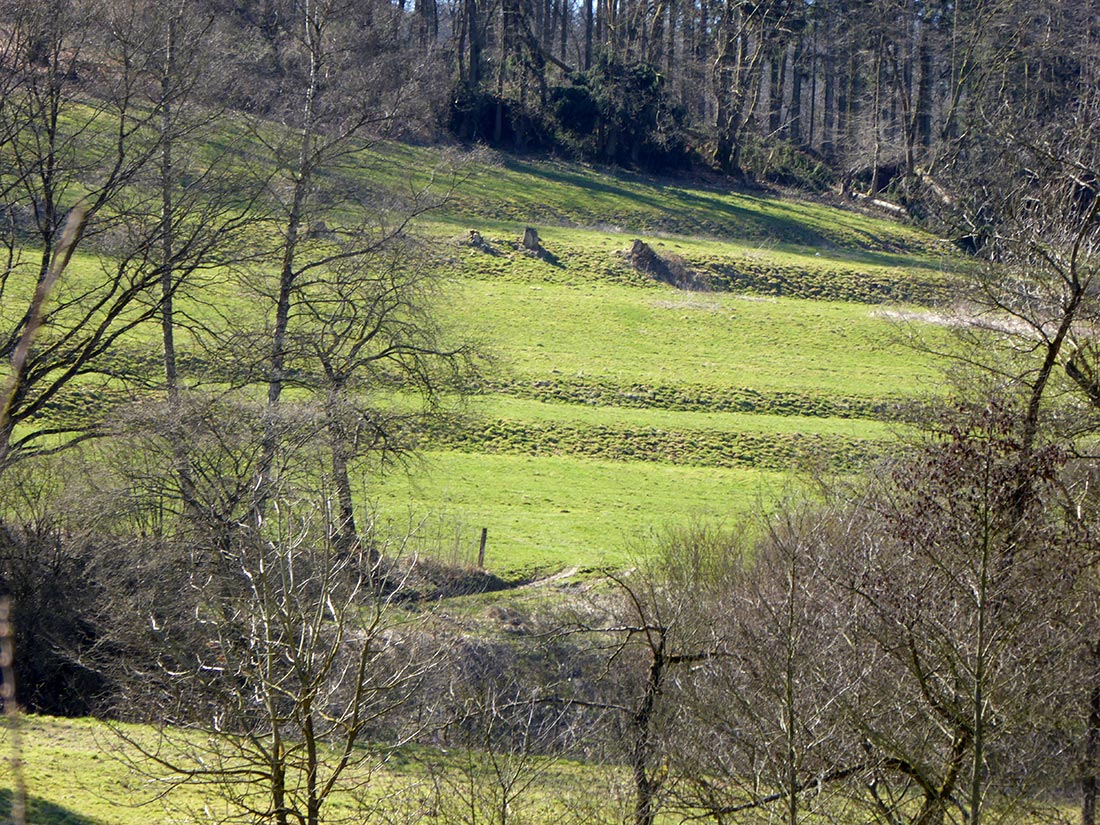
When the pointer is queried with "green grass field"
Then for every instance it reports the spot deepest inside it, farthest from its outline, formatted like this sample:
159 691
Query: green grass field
518 190
546 512
76 773
613 404
604 359
667 336
617 405
80 772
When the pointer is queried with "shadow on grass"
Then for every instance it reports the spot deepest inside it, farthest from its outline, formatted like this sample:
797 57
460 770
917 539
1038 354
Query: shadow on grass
694 207
41 812
684 208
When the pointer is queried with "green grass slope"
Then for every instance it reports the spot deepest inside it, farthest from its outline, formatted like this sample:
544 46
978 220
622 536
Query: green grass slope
617 403
518 190
80 772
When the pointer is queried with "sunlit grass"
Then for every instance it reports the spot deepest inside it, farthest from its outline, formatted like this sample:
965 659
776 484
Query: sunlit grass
581 315
513 189
548 512
666 336
79 772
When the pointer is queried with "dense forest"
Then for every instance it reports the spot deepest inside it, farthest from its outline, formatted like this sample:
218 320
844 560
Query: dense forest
855 94
215 323
850 94
816 92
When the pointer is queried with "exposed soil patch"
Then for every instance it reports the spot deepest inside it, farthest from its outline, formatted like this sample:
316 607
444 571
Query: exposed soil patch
567 573
960 318
666 268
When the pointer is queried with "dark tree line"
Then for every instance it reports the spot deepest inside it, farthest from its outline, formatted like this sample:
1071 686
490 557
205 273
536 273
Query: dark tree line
865 95
875 92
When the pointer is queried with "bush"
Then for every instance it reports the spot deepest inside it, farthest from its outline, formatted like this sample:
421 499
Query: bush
574 109
616 112
783 164
45 572
473 117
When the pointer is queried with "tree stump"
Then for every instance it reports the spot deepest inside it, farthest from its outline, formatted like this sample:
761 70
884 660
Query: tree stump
668 268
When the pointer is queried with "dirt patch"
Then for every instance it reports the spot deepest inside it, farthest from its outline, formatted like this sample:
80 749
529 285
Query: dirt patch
568 572
666 268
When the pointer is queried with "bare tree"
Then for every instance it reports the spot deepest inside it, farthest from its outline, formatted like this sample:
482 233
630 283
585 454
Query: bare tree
653 629
79 121
761 727
744 34
505 738
954 592
366 327
1032 207
335 102
304 665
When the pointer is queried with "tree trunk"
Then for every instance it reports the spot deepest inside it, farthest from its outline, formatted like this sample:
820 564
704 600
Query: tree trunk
502 55
775 94
876 126
645 785
790 680
346 533
588 24
474 33
933 810
427 26
794 109
829 115
721 78
848 105
278 781
313 799
166 217
1090 780
564 11
923 112
302 179
168 273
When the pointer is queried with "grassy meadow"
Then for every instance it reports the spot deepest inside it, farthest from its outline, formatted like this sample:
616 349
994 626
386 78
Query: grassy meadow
545 512
613 404
77 772
612 407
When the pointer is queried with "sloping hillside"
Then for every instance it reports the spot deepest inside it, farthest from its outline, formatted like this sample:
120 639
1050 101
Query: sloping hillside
754 337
